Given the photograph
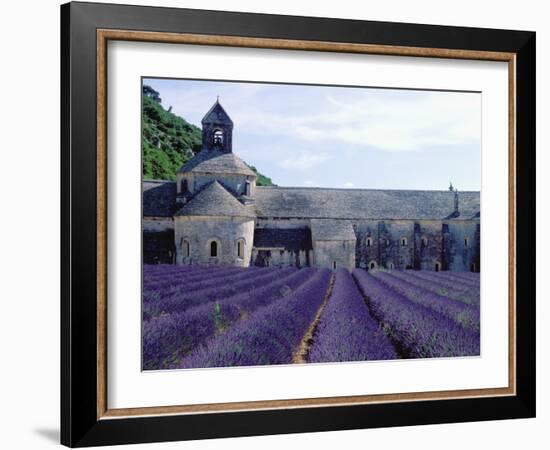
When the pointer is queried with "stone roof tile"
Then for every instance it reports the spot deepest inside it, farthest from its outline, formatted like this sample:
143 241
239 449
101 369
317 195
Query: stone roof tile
216 114
373 204
208 161
159 198
214 200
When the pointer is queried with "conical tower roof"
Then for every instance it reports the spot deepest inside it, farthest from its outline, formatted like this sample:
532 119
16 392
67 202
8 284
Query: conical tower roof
217 115
215 200
217 163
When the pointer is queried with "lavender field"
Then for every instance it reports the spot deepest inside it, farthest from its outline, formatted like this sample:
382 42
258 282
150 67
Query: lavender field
196 316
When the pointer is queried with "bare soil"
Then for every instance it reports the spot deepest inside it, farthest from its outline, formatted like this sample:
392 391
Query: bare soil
301 353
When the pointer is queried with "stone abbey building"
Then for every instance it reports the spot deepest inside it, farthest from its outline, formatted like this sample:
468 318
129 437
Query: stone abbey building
215 214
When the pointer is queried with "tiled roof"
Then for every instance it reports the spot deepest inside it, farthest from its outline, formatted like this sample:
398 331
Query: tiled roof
209 161
159 198
332 230
363 203
290 239
217 114
214 200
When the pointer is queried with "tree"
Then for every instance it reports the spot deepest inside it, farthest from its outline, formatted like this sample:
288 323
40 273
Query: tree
148 91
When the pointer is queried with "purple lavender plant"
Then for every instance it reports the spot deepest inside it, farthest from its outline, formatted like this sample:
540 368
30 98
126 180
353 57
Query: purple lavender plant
208 276
346 330
169 337
185 299
446 288
463 314
445 277
420 331
268 336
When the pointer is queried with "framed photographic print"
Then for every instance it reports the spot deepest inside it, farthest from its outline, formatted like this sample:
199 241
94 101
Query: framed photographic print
277 224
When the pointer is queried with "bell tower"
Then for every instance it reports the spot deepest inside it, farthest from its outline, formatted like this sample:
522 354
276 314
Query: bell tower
217 130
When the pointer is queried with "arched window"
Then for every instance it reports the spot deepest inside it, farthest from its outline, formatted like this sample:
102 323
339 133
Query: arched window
185 248
240 248
333 265
466 242
437 267
372 265
369 242
390 266
213 249
218 137
403 242
184 186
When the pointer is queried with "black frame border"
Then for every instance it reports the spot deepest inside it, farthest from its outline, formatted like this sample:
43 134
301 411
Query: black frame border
79 423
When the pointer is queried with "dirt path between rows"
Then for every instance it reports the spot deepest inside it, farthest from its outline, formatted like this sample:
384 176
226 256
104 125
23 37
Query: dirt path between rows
301 353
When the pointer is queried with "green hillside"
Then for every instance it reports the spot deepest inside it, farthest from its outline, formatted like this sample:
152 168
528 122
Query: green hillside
169 140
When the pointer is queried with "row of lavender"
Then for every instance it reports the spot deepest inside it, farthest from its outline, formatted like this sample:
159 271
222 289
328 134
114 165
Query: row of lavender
420 322
215 317
398 314
195 320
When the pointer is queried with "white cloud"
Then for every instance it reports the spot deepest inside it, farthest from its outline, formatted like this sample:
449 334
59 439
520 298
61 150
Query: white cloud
381 119
385 119
304 161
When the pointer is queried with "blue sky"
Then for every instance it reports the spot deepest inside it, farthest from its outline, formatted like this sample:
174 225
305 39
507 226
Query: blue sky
343 137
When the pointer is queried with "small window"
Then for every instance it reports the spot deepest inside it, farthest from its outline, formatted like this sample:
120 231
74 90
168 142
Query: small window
240 248
334 265
184 186
466 242
186 248
437 267
213 249
218 137
369 242
247 188
473 267
390 266
403 242
424 242
372 265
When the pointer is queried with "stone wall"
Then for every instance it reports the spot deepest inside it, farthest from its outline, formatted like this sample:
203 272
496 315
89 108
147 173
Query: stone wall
279 257
199 232
428 245
385 244
334 254
463 246
419 245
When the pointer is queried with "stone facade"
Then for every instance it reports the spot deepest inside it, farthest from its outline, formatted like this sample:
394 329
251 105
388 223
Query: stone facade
215 214
194 236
